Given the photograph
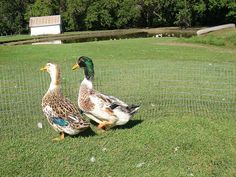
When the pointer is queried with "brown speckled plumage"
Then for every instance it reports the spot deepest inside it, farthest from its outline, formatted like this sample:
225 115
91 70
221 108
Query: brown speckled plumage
61 113
84 100
60 105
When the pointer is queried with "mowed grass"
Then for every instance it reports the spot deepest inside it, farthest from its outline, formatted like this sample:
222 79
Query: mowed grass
185 127
225 37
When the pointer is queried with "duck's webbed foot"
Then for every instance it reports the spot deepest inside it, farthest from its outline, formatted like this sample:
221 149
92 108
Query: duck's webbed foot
60 138
102 125
105 125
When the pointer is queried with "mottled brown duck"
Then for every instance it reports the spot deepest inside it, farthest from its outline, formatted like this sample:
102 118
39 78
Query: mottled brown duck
61 113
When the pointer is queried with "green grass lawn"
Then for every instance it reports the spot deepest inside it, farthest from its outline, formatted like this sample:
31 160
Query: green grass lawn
185 127
226 37
15 37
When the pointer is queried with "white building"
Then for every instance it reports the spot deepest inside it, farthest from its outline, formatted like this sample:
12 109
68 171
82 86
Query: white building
45 25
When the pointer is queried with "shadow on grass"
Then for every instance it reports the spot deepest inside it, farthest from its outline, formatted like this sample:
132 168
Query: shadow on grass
93 132
87 133
129 125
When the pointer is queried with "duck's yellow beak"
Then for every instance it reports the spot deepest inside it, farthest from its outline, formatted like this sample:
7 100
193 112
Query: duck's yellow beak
44 68
75 66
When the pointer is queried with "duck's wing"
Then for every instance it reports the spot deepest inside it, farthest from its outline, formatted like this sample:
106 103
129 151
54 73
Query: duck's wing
62 111
109 103
103 100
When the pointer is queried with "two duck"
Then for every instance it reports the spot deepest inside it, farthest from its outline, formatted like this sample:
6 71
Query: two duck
65 117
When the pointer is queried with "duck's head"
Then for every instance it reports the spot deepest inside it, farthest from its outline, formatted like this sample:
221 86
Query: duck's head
51 68
87 64
54 71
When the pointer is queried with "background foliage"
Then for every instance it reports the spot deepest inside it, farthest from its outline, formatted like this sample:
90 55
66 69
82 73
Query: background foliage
113 14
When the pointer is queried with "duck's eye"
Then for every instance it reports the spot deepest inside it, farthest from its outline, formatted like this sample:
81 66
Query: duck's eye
81 60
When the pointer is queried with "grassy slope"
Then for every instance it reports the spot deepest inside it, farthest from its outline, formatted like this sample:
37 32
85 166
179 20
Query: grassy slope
226 37
156 143
15 37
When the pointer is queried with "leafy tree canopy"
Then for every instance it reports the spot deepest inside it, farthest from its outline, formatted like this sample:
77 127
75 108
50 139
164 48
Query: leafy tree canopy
116 14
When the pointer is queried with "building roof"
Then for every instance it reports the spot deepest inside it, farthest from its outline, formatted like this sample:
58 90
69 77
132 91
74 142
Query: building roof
45 20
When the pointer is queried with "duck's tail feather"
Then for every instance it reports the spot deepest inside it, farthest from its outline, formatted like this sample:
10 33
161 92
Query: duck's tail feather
133 108
78 123
114 105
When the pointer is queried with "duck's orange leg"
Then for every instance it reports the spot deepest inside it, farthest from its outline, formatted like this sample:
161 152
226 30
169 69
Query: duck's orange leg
61 137
105 124
102 125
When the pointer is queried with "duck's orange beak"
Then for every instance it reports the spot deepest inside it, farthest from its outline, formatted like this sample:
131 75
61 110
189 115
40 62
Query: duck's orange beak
75 66
44 68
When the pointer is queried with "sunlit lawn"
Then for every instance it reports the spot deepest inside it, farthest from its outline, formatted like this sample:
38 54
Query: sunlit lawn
185 127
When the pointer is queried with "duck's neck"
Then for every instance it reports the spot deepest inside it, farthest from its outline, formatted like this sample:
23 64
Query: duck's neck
55 81
87 83
89 72
54 87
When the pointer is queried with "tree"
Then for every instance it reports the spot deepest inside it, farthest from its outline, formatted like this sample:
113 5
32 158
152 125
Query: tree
42 8
198 12
156 13
12 16
183 17
127 14
147 8
217 11
74 15
101 14
231 14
